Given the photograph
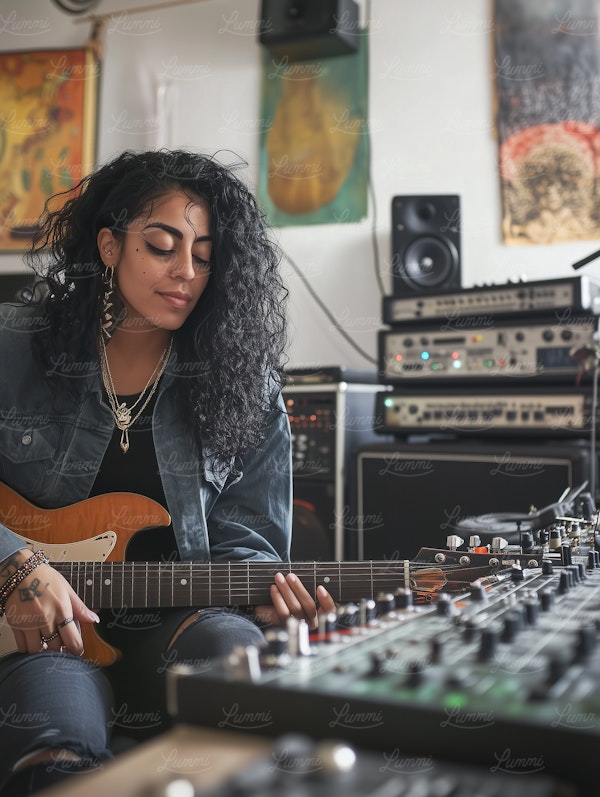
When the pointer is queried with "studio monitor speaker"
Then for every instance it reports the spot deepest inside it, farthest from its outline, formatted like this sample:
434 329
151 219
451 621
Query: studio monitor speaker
299 30
425 244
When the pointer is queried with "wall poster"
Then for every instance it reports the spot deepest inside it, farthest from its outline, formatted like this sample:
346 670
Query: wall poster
314 149
547 78
47 133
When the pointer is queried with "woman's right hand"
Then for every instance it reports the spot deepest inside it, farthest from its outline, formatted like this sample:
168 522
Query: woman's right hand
44 611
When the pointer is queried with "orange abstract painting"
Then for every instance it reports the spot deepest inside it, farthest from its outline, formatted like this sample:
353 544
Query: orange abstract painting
47 133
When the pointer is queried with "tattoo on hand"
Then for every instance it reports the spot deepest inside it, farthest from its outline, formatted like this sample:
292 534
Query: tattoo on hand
31 592
10 566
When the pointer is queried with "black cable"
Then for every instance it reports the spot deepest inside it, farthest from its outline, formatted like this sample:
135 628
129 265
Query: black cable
327 312
593 430
307 284
376 265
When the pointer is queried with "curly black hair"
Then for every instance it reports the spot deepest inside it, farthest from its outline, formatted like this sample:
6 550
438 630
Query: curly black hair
233 341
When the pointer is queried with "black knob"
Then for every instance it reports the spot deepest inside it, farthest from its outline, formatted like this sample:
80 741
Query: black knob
478 593
385 603
368 611
546 599
585 641
347 616
444 604
277 641
512 624
527 541
531 611
470 630
557 667
564 582
416 674
488 643
547 567
437 649
403 598
377 665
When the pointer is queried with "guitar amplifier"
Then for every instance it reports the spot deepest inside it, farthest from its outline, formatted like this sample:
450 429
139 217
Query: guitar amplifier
328 421
410 495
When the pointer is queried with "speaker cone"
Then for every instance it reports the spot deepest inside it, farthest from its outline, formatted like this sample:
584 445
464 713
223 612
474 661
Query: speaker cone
428 262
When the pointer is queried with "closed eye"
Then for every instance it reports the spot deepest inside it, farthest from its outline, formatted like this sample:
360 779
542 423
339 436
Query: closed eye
199 262
155 250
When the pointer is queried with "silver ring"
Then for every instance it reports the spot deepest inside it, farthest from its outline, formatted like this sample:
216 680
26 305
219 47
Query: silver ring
65 622
46 639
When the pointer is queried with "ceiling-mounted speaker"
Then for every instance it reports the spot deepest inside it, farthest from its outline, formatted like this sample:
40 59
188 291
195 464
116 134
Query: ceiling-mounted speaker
300 30
425 244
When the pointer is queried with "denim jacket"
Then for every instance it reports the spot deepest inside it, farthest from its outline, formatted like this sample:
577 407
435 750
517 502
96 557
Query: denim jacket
50 454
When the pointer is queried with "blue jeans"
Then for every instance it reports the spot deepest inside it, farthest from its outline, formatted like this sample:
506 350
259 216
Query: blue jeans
60 701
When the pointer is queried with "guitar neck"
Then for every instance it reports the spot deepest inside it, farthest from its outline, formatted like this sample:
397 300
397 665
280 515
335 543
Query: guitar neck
105 585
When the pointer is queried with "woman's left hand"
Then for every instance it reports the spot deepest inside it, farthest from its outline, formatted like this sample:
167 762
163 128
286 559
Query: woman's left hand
291 599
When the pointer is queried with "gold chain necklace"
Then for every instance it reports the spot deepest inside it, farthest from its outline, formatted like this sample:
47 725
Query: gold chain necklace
121 412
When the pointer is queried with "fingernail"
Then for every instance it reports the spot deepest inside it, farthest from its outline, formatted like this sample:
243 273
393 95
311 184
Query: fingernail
95 616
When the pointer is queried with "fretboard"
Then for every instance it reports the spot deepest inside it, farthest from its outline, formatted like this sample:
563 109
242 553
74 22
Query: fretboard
104 585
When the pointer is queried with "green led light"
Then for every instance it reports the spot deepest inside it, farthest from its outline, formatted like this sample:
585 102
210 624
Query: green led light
455 700
389 402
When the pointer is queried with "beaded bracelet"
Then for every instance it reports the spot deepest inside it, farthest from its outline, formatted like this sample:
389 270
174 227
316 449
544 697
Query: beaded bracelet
12 582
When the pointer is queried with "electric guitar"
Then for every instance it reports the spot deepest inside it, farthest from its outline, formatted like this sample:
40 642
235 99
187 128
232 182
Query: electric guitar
87 542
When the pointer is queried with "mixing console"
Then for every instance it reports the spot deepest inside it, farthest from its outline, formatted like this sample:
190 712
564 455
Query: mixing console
504 677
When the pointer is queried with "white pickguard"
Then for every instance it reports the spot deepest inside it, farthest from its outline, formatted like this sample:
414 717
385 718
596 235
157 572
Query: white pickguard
94 549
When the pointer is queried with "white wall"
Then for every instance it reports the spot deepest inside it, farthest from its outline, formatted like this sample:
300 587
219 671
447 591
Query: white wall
432 131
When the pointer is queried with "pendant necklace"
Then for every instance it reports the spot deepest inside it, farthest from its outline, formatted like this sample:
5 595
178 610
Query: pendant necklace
121 412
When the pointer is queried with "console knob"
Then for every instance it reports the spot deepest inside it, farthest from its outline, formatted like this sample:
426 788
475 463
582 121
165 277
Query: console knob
488 643
512 624
403 598
347 616
444 604
531 611
368 611
477 592
585 642
386 603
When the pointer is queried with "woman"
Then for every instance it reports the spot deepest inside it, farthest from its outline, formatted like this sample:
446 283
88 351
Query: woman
151 364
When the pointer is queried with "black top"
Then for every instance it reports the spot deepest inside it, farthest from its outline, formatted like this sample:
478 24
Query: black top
137 472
